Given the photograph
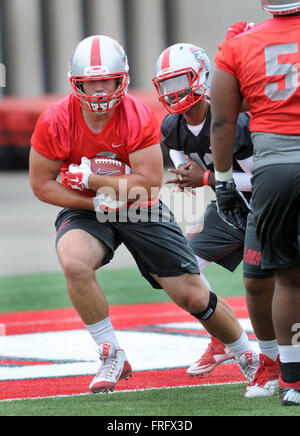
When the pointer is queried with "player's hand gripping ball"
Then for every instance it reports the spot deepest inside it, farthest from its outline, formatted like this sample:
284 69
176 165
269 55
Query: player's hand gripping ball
77 178
107 166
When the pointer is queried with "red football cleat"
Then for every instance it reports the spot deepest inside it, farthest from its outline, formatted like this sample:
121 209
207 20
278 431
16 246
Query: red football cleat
215 354
266 379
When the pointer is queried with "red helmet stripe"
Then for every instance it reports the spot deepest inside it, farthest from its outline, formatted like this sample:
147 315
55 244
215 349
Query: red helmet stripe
166 59
95 53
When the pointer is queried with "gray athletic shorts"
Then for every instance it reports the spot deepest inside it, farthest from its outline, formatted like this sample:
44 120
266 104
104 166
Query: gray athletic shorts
158 248
216 241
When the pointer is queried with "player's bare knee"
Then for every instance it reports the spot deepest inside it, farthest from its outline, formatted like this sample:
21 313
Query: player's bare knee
289 278
76 271
197 295
253 286
197 301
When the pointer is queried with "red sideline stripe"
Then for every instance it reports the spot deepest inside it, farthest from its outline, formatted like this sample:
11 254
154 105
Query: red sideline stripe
141 380
125 316
24 362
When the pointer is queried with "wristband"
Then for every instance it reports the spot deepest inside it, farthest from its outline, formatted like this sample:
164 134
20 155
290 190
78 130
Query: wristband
224 176
206 177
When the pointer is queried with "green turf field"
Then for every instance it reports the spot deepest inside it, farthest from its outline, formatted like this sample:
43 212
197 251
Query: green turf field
205 401
125 286
46 291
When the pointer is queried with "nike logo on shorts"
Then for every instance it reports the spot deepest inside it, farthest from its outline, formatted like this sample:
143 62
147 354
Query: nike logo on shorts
185 265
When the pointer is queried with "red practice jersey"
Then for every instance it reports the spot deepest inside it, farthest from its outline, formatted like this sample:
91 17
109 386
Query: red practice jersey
266 61
62 134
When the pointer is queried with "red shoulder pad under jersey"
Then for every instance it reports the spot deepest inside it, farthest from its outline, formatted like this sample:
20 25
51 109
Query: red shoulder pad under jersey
138 125
50 137
266 61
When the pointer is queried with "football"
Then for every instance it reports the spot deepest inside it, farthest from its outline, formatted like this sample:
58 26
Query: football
108 166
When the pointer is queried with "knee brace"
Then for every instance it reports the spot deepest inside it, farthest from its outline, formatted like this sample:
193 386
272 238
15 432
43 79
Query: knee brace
209 311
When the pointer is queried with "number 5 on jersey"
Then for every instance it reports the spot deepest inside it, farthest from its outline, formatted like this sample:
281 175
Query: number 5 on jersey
274 68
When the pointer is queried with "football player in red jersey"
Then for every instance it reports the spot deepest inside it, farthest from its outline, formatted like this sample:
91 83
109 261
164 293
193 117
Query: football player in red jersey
262 66
100 117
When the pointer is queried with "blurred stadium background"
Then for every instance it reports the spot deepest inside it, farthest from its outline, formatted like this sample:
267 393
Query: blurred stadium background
37 38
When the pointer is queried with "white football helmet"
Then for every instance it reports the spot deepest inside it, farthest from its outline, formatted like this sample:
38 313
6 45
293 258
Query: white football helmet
182 77
280 7
98 58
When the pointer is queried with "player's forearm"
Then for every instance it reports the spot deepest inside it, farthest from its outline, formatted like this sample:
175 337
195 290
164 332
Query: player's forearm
178 158
131 187
223 140
55 193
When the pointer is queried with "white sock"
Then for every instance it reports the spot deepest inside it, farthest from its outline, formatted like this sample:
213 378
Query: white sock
103 332
269 349
240 346
289 353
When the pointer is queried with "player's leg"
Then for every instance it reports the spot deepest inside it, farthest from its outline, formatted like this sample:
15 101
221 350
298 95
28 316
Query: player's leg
216 352
167 261
192 295
277 218
286 317
259 286
259 294
287 292
81 251
80 255
216 316
213 240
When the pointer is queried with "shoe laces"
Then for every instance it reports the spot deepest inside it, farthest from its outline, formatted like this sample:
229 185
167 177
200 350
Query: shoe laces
261 377
108 366
264 373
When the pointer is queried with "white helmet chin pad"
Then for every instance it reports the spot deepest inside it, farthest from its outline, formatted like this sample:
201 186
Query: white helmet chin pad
103 104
